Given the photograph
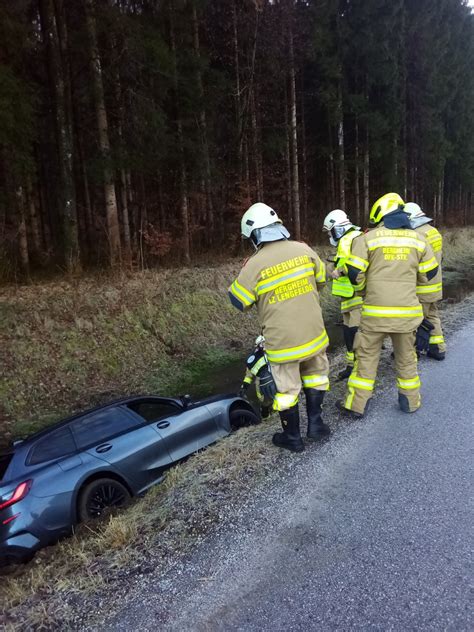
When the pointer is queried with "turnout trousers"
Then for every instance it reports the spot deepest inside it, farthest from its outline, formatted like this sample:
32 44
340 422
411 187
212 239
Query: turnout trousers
431 313
367 354
291 376
351 321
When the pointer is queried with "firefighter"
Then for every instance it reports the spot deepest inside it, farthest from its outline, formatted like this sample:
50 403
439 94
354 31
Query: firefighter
429 293
254 363
282 279
341 233
392 259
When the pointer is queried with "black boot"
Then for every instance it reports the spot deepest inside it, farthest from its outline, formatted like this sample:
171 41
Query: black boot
345 373
435 353
290 438
317 429
346 412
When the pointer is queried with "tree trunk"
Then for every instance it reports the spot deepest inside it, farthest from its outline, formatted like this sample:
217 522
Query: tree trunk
183 191
366 172
22 232
35 225
340 149
203 128
256 148
304 166
357 173
54 32
294 131
238 107
113 227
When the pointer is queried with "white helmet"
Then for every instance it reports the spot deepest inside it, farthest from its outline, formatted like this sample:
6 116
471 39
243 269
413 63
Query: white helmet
413 210
261 223
258 215
336 223
335 218
415 214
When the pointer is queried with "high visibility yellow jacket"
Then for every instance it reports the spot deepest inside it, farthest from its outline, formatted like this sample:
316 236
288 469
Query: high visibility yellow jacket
282 279
432 290
342 286
392 262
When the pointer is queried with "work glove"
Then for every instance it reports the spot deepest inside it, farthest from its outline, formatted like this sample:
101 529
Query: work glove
422 340
267 384
243 389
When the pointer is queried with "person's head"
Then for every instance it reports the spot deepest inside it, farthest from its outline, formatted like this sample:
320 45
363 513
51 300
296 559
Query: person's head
261 224
416 215
337 224
383 206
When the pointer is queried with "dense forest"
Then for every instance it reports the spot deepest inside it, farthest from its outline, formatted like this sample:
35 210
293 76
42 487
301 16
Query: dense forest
136 132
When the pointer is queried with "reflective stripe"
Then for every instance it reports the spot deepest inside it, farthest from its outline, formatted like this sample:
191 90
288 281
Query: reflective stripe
248 379
431 264
258 365
321 276
315 380
342 287
435 239
350 357
349 398
360 286
429 289
296 353
409 384
283 401
357 262
246 297
436 340
360 382
352 302
391 312
397 242
275 281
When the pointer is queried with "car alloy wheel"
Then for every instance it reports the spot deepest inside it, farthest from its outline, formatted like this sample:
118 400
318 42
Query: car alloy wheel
100 495
241 417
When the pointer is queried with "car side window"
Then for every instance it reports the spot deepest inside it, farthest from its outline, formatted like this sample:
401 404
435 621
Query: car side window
102 425
54 445
152 411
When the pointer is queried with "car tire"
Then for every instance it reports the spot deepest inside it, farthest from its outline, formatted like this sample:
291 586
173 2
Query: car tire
242 417
100 495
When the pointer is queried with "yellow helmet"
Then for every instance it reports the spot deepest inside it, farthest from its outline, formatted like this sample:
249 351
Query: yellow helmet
386 204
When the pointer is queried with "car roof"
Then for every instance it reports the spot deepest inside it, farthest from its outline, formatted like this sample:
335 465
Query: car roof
118 402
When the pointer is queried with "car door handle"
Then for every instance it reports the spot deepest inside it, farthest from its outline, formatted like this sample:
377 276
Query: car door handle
163 424
105 447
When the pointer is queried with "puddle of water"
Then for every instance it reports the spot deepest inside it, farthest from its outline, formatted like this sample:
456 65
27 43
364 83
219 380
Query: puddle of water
228 379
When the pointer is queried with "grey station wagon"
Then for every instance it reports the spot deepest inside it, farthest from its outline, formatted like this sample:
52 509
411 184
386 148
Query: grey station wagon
74 470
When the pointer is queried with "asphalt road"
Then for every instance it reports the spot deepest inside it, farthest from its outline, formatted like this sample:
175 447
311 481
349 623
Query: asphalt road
370 531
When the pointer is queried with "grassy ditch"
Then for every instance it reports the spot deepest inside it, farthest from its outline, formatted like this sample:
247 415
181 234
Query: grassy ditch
67 346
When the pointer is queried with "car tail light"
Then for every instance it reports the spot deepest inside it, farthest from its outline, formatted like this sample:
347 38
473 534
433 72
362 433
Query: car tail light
18 494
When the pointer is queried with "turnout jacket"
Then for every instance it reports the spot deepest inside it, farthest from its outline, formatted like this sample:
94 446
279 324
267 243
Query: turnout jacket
432 290
392 262
282 279
342 287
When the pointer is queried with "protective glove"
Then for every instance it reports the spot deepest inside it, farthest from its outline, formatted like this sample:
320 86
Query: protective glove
243 389
267 384
422 340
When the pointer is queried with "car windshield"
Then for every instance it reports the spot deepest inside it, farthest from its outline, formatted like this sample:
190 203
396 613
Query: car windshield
5 460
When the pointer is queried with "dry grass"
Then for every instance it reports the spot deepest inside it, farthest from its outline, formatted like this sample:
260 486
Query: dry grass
129 335
168 521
